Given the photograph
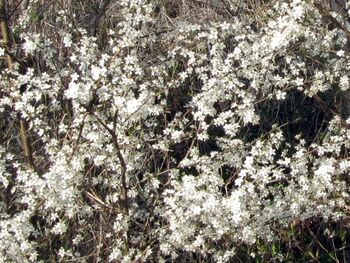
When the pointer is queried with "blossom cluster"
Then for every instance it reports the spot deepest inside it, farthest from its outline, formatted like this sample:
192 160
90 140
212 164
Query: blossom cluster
153 135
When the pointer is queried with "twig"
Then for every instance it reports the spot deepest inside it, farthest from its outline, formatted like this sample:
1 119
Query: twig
78 139
332 111
228 8
15 8
124 199
329 16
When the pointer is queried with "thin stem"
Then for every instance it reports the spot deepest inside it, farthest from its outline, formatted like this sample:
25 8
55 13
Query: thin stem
124 199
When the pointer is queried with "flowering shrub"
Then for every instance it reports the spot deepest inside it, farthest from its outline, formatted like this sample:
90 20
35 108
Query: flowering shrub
163 130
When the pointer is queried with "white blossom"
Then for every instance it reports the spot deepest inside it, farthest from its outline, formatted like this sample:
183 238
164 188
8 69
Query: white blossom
161 138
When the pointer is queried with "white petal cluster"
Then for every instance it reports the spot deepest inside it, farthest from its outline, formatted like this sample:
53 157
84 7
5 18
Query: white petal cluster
158 142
